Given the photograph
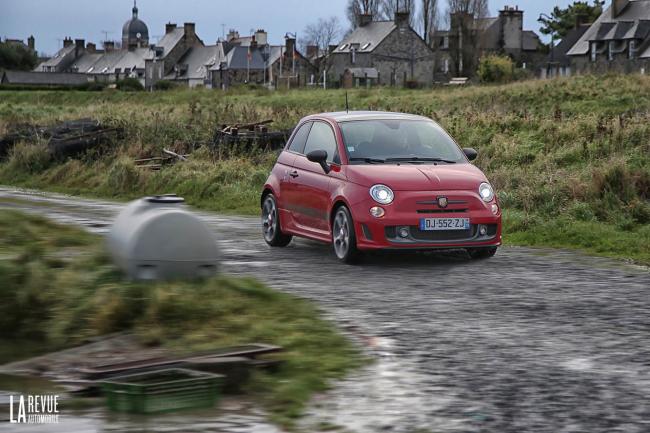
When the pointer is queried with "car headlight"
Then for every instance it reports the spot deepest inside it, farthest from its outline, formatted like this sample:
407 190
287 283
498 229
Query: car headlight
382 194
486 192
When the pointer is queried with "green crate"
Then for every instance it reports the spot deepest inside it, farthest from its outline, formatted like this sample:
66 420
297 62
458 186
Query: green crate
162 391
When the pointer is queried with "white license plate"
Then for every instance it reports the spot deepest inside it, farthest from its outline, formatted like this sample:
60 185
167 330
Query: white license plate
430 224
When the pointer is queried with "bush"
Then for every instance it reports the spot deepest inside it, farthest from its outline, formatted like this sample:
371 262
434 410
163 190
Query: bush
495 69
130 85
164 85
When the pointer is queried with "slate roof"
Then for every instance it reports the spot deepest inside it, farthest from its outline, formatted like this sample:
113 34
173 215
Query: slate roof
368 36
237 58
170 40
530 41
199 60
44 78
133 59
85 62
560 51
56 59
608 27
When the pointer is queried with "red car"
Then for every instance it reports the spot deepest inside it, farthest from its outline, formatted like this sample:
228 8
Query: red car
374 180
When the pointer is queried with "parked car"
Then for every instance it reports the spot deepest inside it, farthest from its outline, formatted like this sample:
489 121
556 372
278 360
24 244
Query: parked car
373 180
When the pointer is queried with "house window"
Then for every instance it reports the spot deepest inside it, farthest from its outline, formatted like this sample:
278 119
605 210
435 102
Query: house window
446 66
353 56
610 51
445 43
593 52
632 50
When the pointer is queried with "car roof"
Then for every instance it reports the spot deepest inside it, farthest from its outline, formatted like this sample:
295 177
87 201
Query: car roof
346 116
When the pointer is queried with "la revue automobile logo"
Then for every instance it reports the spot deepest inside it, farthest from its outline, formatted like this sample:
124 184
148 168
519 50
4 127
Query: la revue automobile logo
34 409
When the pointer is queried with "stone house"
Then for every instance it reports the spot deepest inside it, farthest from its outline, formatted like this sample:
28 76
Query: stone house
618 41
384 53
252 60
460 47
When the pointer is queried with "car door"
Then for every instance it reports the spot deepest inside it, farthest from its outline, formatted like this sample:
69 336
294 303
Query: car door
310 199
295 148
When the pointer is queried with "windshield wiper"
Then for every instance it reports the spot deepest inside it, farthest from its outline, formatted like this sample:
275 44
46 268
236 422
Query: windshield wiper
369 160
420 159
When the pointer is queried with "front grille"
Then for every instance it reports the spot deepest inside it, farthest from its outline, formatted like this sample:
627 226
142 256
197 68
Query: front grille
435 235
438 211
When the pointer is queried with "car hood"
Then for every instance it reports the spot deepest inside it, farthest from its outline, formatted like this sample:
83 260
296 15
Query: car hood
415 177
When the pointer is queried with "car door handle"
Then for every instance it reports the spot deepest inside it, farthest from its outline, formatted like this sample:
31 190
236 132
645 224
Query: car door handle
294 174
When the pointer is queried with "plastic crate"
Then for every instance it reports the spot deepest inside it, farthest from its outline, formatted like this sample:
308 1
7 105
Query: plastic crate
162 391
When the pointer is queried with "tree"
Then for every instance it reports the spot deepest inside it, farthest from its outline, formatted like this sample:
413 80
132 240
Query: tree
17 57
358 7
388 8
564 19
465 39
428 19
322 34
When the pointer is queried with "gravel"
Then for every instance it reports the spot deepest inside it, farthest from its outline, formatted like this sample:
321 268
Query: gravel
530 340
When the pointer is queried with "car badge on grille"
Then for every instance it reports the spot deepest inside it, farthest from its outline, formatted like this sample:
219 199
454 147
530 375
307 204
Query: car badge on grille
443 202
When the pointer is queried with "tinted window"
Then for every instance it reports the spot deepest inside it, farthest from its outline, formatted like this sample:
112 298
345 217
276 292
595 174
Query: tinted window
299 140
321 137
383 139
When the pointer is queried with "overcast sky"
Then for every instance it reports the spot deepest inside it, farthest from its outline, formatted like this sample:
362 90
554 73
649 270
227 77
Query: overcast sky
51 20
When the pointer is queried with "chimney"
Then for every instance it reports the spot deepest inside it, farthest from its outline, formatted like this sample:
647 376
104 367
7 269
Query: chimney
91 48
67 42
232 34
261 37
402 19
31 43
109 46
79 47
170 27
290 45
190 30
364 19
312 51
618 6
253 43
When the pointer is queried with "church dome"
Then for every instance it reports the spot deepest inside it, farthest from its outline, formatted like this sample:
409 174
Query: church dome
135 32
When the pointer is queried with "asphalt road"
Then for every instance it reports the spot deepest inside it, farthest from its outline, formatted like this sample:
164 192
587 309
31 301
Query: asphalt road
528 341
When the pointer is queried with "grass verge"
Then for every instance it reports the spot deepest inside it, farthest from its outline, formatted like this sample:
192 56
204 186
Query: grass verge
570 158
57 289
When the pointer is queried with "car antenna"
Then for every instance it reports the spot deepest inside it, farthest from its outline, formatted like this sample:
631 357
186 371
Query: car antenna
347 107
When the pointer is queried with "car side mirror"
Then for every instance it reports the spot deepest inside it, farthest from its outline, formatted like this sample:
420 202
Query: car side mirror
470 153
319 157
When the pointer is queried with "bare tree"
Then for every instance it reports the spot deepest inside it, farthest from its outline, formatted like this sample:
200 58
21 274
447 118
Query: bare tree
358 7
428 19
322 34
389 7
466 33
475 8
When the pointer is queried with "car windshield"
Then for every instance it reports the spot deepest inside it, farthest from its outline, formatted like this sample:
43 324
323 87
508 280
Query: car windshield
403 141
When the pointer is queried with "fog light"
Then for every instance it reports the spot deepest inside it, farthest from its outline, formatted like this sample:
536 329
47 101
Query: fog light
377 211
495 209
403 232
482 230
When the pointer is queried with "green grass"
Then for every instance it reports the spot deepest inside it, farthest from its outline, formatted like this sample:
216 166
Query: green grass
566 153
57 289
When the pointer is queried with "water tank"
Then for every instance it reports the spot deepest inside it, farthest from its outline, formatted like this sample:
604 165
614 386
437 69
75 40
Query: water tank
157 238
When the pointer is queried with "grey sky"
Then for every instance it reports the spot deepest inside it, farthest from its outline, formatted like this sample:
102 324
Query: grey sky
51 20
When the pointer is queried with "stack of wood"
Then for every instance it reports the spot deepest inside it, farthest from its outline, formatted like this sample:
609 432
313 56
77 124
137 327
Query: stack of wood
251 134
155 163
64 139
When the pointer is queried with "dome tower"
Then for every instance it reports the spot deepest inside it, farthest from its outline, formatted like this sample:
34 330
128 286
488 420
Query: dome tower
135 33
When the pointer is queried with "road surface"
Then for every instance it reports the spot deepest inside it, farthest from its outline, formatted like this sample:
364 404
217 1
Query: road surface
529 341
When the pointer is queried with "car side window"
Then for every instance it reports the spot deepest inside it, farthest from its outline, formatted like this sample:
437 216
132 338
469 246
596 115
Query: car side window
321 137
300 138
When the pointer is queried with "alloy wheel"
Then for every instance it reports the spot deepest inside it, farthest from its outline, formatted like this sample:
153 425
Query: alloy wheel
269 219
341 234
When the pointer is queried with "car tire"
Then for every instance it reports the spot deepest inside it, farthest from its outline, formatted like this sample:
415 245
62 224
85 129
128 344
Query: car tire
271 228
344 239
481 253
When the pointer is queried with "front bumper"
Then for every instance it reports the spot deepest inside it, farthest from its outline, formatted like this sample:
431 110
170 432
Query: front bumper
411 206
